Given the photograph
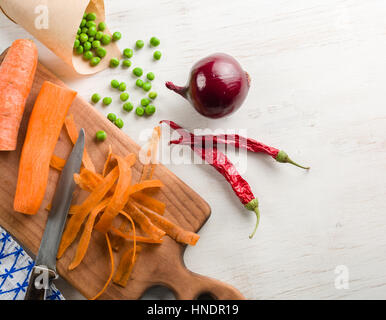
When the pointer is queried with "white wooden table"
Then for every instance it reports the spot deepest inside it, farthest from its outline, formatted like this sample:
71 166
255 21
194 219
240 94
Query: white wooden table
318 91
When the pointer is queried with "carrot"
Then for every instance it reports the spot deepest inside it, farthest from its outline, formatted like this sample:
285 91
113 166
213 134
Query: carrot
108 159
73 134
149 202
151 155
76 220
17 73
129 236
87 179
133 227
145 223
171 229
125 267
57 163
111 272
145 184
119 198
86 235
45 123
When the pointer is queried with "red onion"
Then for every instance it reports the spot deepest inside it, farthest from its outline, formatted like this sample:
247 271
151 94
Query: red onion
217 86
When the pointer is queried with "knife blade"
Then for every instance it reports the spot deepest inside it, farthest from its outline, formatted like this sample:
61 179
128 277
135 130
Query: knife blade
44 270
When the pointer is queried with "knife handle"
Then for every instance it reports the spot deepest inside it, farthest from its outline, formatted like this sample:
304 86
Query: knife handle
39 283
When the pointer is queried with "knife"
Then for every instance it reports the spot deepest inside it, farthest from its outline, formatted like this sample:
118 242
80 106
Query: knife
44 270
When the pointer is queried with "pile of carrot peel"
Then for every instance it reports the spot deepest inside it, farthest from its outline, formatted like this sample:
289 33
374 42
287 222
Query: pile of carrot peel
126 212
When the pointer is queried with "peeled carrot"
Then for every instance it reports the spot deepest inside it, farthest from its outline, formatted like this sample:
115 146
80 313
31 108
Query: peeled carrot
45 123
119 198
125 267
86 235
76 220
149 202
57 163
129 236
144 222
111 272
107 162
17 73
171 229
73 134
151 155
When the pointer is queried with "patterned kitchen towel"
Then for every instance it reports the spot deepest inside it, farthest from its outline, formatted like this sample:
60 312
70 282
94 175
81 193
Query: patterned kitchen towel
15 269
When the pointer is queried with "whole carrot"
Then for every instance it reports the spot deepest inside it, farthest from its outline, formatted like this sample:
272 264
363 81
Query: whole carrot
17 72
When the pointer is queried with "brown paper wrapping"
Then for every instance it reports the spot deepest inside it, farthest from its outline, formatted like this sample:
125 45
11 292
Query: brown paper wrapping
58 34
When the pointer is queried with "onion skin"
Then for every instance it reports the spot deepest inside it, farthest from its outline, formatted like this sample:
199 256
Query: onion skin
217 86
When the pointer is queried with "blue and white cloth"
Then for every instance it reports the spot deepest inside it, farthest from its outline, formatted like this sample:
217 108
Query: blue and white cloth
15 268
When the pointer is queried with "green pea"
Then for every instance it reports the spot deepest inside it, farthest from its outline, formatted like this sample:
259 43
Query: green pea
101 135
124 96
128 106
107 100
86 46
96 44
145 102
150 109
152 95
79 31
83 37
122 86
76 43
91 39
119 123
139 44
100 52
137 72
84 15
126 63
114 83
112 117
106 39
139 111
90 24
99 35
84 30
88 55
128 53
94 61
101 26
114 62
146 86
139 83
157 55
150 76
91 16
95 97
92 31
83 23
116 36
77 37
155 41
79 50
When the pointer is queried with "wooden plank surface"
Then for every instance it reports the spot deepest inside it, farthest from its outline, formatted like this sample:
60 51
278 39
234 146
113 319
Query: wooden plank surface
157 264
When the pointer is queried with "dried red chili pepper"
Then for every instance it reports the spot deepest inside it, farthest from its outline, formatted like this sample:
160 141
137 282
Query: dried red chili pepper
239 142
222 164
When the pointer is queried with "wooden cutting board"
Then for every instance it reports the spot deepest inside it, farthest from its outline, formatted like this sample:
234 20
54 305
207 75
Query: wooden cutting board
157 264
